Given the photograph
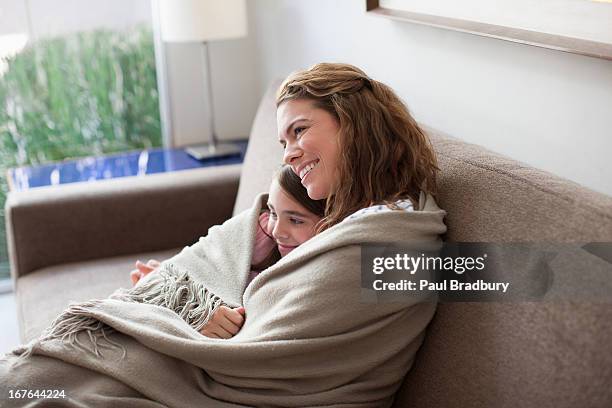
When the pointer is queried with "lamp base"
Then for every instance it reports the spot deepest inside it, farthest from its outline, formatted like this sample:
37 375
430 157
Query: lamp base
213 151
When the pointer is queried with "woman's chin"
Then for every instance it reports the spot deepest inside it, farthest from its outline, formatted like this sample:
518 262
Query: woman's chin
316 186
314 193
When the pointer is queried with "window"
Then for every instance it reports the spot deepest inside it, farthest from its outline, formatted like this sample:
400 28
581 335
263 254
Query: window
77 78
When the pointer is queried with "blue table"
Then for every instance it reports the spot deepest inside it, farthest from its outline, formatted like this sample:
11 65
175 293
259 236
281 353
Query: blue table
133 163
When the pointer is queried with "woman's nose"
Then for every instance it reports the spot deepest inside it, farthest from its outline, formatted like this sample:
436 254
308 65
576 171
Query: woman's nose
292 151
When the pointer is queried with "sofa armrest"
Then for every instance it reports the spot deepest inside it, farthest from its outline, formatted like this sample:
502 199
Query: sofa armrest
81 221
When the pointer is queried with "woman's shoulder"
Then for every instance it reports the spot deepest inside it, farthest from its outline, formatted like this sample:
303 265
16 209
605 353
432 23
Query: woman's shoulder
399 205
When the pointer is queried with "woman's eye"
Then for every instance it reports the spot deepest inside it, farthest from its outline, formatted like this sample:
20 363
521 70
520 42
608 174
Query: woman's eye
272 214
296 221
299 130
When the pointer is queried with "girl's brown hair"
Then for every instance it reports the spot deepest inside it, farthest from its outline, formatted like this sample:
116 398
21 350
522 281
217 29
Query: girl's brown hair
292 185
384 154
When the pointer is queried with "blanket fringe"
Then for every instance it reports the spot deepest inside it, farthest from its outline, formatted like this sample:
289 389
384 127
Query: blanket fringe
167 287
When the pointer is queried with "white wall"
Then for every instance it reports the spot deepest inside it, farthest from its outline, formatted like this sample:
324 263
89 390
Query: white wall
547 108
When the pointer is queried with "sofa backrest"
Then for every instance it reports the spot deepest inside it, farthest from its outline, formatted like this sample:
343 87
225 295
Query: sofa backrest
264 153
493 354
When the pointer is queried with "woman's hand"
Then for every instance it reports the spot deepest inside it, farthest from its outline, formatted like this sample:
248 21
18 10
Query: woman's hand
225 323
143 270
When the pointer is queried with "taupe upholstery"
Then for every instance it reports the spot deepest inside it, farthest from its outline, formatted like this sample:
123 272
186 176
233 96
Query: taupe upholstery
474 355
490 197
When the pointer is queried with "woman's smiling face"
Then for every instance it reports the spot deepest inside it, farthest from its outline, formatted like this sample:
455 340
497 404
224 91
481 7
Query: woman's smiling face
310 138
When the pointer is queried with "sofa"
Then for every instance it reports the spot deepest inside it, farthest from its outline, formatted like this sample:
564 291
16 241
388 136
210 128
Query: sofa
79 241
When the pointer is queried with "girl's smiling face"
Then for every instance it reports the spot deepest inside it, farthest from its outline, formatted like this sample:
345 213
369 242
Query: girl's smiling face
290 223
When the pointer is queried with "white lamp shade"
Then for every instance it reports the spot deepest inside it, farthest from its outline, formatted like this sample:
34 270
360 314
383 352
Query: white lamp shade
202 20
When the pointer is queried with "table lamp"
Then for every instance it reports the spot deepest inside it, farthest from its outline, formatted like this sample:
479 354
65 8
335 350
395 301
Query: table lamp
203 21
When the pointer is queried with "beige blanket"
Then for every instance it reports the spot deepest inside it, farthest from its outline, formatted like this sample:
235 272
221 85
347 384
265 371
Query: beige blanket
309 338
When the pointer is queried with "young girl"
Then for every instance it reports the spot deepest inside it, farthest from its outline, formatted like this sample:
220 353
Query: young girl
289 221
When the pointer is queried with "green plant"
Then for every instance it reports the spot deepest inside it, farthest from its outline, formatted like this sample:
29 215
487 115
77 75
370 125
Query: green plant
84 94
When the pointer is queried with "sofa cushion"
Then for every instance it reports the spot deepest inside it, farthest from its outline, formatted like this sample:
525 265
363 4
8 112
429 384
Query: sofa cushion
80 281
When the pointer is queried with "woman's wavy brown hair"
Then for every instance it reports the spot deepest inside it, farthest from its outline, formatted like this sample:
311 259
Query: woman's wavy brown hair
384 154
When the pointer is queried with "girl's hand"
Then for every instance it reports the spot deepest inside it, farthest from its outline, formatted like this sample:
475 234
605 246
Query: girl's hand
225 323
143 270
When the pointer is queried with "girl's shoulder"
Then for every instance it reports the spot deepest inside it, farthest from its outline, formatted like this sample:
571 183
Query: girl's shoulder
399 205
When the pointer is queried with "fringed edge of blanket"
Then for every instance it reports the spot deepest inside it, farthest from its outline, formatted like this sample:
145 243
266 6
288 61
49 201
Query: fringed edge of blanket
167 287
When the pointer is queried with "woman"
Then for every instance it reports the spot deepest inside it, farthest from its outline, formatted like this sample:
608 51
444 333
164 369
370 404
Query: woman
313 334
352 141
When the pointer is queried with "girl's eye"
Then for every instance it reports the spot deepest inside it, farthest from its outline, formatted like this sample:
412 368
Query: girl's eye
272 214
296 221
299 130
